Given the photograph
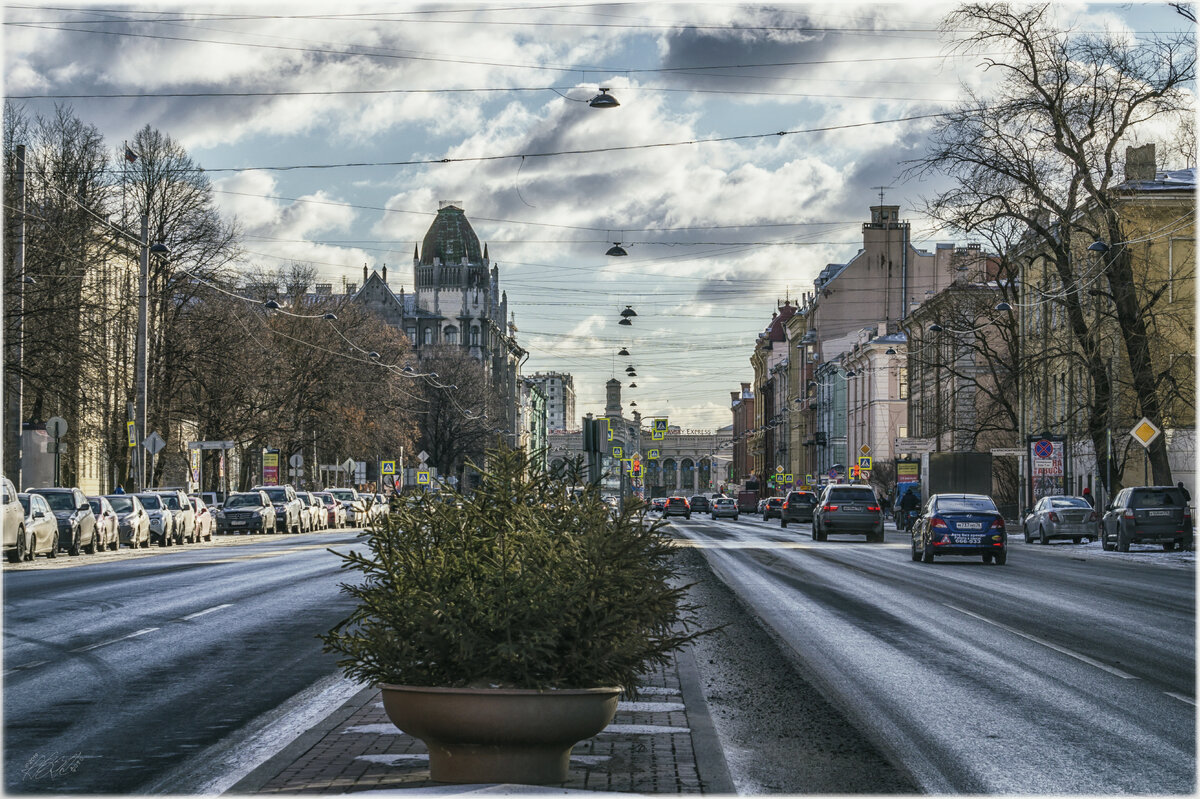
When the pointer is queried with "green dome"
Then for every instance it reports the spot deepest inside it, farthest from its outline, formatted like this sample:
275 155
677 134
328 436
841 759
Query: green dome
451 239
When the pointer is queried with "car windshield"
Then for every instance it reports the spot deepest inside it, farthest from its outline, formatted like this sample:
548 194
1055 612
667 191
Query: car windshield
1069 502
1156 498
304 500
774 501
171 501
244 501
151 501
277 494
60 500
966 505
121 504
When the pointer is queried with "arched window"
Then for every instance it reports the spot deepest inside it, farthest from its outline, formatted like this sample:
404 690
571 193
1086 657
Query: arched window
687 475
669 468
450 335
653 477
706 475
474 336
429 335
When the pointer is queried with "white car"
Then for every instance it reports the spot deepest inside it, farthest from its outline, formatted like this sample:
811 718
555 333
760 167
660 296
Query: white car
16 544
202 518
106 524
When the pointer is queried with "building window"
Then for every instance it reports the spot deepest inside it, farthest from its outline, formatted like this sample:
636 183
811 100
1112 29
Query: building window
450 335
429 335
412 334
902 431
903 372
474 337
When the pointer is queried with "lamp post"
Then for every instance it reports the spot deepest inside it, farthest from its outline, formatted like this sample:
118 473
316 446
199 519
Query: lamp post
15 410
140 391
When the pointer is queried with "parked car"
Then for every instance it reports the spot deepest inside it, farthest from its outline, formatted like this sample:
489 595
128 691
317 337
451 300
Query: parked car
76 522
247 512
203 516
162 520
1147 515
846 508
723 507
797 506
772 507
181 509
699 503
314 511
16 539
677 506
960 524
107 536
133 523
1060 517
41 528
213 499
335 514
352 504
289 511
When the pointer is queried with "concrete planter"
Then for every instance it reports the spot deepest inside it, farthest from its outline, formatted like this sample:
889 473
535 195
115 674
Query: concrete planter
499 735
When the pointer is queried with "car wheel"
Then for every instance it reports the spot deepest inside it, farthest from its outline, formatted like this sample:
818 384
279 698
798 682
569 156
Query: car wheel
1122 540
876 537
1028 537
53 553
926 554
74 548
735 517
1168 546
91 548
162 540
1001 558
1043 539
915 555
18 553
1077 539
1104 542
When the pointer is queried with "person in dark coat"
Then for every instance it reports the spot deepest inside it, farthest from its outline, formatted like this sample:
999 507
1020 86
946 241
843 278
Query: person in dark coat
1187 497
1087 494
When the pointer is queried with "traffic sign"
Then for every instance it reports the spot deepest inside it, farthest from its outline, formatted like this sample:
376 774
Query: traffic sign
660 424
864 462
864 474
423 456
56 426
808 479
864 449
617 452
787 478
348 465
131 431
1044 449
778 470
387 467
657 436
1145 432
608 424
296 461
154 443
422 478
652 454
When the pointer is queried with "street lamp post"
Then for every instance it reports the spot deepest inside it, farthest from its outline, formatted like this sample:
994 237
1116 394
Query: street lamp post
140 391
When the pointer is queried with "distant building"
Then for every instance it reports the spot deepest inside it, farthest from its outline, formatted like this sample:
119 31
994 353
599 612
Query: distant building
559 389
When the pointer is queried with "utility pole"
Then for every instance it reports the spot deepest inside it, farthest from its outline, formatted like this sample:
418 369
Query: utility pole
142 344
15 411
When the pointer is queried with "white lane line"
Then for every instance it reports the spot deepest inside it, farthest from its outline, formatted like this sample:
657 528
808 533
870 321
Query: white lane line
1084 658
1181 698
210 610
115 640
26 666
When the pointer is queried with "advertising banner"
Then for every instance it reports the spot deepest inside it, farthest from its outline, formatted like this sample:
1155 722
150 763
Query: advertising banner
270 467
908 471
1047 466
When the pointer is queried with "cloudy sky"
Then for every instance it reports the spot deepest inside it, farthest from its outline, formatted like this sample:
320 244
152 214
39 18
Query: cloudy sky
325 126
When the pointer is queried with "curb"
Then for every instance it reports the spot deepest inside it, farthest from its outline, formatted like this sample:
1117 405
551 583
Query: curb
706 744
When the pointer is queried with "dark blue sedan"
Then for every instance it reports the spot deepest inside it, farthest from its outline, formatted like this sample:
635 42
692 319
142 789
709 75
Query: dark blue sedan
960 524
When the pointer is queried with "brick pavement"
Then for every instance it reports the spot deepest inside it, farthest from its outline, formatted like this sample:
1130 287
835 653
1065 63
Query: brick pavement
662 742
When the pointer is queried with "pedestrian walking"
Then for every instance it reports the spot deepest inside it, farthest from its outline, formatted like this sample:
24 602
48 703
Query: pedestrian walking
1087 494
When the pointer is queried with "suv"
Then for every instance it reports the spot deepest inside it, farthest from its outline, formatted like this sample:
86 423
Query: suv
848 509
772 507
76 522
724 506
15 542
184 518
797 507
288 508
677 506
699 503
247 512
1147 515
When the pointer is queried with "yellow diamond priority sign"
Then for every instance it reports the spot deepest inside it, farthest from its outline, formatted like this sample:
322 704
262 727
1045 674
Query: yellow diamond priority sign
1144 432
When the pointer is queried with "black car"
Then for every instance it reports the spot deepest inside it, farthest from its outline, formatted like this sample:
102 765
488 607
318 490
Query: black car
797 507
772 508
699 503
677 506
960 524
76 521
1147 515
247 512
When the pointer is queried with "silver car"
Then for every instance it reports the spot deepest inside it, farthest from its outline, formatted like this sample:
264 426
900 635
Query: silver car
723 507
133 524
1060 517
185 518
106 524
162 521
40 526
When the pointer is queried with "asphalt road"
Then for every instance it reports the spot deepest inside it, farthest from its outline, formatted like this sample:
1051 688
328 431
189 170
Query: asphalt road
116 672
1067 670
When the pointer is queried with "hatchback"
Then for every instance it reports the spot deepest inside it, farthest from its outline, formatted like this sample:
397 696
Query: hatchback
1060 517
677 506
699 503
797 507
76 522
1147 515
848 509
723 507
960 524
772 508
41 527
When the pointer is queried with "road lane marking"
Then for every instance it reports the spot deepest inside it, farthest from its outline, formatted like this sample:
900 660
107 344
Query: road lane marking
210 610
1084 658
115 640
1181 698
26 666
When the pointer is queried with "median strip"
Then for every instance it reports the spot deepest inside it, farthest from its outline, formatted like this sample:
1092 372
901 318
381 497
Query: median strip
1084 658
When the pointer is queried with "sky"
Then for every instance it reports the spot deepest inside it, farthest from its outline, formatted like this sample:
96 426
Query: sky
331 132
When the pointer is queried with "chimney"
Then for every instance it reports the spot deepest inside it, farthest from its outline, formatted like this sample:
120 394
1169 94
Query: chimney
385 274
364 274
1139 163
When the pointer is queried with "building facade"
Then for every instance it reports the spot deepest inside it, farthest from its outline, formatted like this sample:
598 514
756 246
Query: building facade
559 390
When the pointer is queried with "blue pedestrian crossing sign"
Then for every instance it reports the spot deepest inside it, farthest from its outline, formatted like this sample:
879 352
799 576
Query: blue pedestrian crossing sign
652 455
423 478
864 462
617 452
660 425
387 467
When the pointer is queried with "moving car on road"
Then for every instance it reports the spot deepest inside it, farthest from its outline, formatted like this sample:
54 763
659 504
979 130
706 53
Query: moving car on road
960 524
851 509
699 503
797 507
76 522
41 528
1060 517
107 536
1147 515
162 520
772 507
677 506
247 512
133 524
724 507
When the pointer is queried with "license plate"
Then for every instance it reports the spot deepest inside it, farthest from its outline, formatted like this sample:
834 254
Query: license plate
967 539
1160 513
970 525
238 524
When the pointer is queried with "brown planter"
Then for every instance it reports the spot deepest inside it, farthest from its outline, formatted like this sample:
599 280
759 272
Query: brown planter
500 735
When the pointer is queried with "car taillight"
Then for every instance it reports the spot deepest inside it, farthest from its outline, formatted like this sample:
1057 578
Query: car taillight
1128 513
937 521
998 524
831 507
1053 516
785 506
873 508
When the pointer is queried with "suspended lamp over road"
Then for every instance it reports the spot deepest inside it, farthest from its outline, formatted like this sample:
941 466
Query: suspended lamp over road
330 317
1003 306
1098 246
936 328
373 355
271 305
603 99
633 385
616 249
633 404
890 351
625 322
623 351
161 249
628 312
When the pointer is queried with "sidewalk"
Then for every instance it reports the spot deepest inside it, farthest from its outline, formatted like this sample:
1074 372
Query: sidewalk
663 743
